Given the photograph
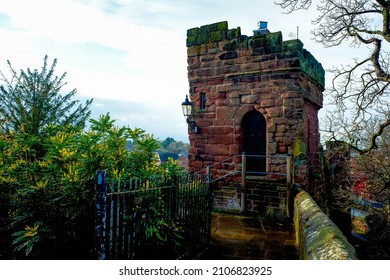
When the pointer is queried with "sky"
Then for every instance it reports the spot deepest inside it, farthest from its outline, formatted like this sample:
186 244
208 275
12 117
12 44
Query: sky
130 56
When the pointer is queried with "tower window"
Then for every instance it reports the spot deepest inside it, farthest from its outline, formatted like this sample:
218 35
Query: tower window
203 101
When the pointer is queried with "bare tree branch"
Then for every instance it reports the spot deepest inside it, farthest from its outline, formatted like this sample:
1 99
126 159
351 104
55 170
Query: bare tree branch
294 5
373 140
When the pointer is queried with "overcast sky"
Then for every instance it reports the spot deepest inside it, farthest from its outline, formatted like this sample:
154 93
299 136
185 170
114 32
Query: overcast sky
130 55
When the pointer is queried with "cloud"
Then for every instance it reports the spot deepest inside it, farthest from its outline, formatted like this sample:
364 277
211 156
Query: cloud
148 116
131 54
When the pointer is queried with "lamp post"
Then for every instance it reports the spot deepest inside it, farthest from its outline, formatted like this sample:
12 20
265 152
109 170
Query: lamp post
186 106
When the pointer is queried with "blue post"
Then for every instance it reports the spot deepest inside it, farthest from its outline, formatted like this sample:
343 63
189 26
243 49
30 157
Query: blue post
100 214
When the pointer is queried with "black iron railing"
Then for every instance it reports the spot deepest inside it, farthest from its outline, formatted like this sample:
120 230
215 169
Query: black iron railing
154 218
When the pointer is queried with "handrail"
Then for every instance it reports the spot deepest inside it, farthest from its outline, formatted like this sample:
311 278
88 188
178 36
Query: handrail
270 156
210 166
206 171
243 171
224 176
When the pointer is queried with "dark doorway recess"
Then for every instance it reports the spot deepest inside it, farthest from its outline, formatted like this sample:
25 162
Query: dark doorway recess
254 130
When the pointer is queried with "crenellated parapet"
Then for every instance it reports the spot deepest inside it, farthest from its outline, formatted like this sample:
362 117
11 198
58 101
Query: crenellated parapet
265 50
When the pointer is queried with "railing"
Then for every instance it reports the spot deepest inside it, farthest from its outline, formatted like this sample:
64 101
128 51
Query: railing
242 168
151 218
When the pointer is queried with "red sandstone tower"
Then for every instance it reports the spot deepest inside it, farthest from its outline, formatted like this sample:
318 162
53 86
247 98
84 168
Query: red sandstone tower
254 94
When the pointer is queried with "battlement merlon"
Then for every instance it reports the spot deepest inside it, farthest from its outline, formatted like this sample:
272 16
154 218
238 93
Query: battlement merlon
218 42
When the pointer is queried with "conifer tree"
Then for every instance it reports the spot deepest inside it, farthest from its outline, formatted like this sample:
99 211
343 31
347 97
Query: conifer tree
32 100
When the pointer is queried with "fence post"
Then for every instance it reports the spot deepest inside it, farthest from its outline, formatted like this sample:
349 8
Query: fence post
243 181
100 214
208 178
289 169
289 186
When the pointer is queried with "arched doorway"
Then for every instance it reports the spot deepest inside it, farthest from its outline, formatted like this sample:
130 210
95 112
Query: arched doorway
254 129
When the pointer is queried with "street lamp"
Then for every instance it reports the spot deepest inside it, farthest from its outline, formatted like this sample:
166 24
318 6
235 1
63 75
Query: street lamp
186 106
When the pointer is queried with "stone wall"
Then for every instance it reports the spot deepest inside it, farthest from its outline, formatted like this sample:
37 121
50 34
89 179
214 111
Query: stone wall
318 238
238 74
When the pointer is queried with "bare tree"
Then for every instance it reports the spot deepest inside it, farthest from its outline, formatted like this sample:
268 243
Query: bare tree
360 90
362 181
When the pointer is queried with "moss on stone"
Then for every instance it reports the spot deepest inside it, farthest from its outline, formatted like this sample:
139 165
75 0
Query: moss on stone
262 44
233 33
202 39
299 149
273 39
258 41
191 41
293 45
196 50
228 55
312 67
193 31
216 36
231 45
218 26
317 236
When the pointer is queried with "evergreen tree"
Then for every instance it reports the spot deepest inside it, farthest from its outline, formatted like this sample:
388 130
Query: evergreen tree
32 100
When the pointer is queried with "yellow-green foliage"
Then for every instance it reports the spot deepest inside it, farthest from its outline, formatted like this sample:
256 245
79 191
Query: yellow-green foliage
47 184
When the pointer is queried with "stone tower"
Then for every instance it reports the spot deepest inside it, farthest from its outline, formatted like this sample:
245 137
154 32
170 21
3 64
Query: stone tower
254 94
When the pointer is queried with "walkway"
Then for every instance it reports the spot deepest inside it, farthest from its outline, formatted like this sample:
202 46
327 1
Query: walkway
235 237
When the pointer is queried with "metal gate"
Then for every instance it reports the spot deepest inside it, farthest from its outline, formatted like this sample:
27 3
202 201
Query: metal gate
154 218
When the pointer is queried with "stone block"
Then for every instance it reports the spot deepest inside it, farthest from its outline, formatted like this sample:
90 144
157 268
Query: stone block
218 122
281 128
257 41
282 150
274 112
224 113
272 148
221 139
235 101
217 149
287 141
249 99
234 149
223 102
299 103
202 38
204 122
228 69
267 103
231 45
251 66
193 31
191 41
218 26
233 33
273 39
228 55
271 128
223 88
293 45
206 72
196 50
280 121
216 36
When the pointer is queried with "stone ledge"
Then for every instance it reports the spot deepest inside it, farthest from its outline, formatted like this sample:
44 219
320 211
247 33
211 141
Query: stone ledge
318 238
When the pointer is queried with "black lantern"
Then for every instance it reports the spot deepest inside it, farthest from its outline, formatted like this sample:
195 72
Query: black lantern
186 106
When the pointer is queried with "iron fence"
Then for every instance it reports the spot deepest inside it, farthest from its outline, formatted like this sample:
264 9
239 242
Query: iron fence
154 218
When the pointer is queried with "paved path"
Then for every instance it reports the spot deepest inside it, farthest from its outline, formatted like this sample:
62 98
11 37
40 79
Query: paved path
235 237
